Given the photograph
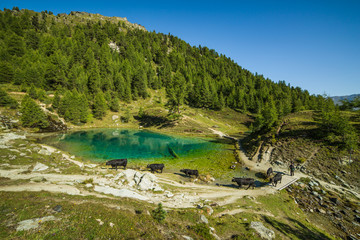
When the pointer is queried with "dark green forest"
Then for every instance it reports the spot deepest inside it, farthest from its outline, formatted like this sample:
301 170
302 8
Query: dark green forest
92 62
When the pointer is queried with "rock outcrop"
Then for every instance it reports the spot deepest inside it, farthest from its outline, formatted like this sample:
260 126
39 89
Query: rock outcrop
264 232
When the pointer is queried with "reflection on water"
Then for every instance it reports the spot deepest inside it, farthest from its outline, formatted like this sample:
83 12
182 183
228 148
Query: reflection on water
105 144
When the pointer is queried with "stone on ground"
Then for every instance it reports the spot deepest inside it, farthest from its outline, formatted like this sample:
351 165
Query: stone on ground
262 230
40 167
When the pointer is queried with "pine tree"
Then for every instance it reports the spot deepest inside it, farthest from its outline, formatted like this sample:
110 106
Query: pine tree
56 100
114 105
33 92
176 93
6 100
99 106
32 115
159 214
6 72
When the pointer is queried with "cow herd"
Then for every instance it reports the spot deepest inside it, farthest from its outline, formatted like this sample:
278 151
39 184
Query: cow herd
155 167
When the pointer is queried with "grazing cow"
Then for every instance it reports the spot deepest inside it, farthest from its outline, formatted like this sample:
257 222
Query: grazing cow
117 163
244 181
277 178
190 172
155 166
269 172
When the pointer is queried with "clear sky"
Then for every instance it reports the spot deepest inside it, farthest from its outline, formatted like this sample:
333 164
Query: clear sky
313 44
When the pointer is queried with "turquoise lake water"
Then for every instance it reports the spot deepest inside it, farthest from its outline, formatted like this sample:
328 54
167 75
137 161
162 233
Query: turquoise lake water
104 144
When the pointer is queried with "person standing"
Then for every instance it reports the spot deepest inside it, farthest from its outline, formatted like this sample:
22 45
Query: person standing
292 169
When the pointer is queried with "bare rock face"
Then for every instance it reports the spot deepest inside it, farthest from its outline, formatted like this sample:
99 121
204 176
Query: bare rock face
264 232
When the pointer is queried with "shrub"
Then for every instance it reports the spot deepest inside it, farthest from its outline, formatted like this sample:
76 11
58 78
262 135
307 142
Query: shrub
301 160
202 230
6 100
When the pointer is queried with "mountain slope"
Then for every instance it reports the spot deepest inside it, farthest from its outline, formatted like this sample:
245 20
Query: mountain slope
109 58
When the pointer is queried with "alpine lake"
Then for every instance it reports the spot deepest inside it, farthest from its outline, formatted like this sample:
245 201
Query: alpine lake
142 147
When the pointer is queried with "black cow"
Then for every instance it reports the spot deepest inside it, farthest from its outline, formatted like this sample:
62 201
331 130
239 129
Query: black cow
117 163
269 172
190 172
277 178
244 181
156 166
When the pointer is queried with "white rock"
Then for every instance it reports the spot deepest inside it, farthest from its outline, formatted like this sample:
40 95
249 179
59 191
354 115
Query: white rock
128 174
100 222
90 165
187 237
120 192
33 223
157 188
88 185
169 195
215 236
262 230
43 151
49 149
204 219
109 175
111 224
38 179
40 167
209 209
114 117
14 150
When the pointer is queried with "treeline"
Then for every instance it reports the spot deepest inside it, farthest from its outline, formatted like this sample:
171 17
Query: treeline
71 55
353 104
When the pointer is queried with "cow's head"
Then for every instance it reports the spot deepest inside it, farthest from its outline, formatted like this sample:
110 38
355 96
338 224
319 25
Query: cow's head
233 180
182 170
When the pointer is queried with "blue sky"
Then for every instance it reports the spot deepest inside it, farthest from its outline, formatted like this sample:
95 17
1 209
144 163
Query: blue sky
311 44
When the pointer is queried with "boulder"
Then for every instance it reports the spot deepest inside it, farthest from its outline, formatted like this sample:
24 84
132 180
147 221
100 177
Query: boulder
262 230
208 209
142 181
57 208
39 167
128 175
204 219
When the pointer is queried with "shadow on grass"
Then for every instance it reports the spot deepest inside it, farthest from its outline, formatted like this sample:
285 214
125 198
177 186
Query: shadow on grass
151 121
183 175
301 231
222 141
244 187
